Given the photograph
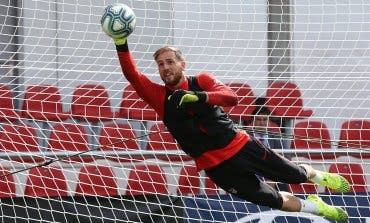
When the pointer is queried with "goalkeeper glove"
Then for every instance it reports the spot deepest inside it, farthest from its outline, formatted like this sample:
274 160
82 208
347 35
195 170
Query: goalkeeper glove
180 98
120 41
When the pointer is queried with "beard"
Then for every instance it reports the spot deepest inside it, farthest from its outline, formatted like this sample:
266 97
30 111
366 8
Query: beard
173 79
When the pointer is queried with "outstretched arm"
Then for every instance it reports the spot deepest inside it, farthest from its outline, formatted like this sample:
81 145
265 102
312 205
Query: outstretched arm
149 91
138 80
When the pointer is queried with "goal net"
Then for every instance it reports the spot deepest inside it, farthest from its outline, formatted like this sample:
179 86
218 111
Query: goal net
78 145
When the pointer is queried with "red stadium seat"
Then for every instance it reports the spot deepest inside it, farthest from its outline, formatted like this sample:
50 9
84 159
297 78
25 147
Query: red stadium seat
133 107
7 112
246 102
7 184
304 188
114 137
353 172
210 187
312 135
284 100
21 139
189 181
43 102
146 179
69 137
91 102
163 141
46 182
355 134
96 180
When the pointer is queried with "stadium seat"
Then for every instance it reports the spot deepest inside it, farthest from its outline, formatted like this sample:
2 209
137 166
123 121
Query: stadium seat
114 137
133 107
355 134
7 184
163 141
43 102
284 100
189 181
146 179
246 102
69 137
353 172
210 187
7 111
46 182
96 180
20 138
304 188
90 102
312 135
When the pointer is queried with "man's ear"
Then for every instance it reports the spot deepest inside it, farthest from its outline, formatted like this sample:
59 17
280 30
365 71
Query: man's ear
183 65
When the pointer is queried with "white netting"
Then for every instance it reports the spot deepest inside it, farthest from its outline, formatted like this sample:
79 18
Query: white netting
62 91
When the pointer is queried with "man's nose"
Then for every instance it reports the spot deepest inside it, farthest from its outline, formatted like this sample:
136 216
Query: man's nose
165 66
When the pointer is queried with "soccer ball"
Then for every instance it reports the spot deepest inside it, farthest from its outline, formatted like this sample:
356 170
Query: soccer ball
118 21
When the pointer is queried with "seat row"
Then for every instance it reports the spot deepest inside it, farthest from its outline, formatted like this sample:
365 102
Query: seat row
91 102
145 179
354 134
101 180
122 137
22 138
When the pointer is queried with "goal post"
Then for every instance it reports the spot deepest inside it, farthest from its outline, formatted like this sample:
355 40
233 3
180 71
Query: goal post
78 145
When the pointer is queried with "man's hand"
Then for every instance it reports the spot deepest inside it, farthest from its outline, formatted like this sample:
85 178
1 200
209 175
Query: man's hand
120 41
180 98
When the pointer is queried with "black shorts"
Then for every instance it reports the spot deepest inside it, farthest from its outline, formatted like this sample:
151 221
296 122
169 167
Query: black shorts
238 175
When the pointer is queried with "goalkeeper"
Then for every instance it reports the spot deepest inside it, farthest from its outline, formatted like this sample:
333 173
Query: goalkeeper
190 107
